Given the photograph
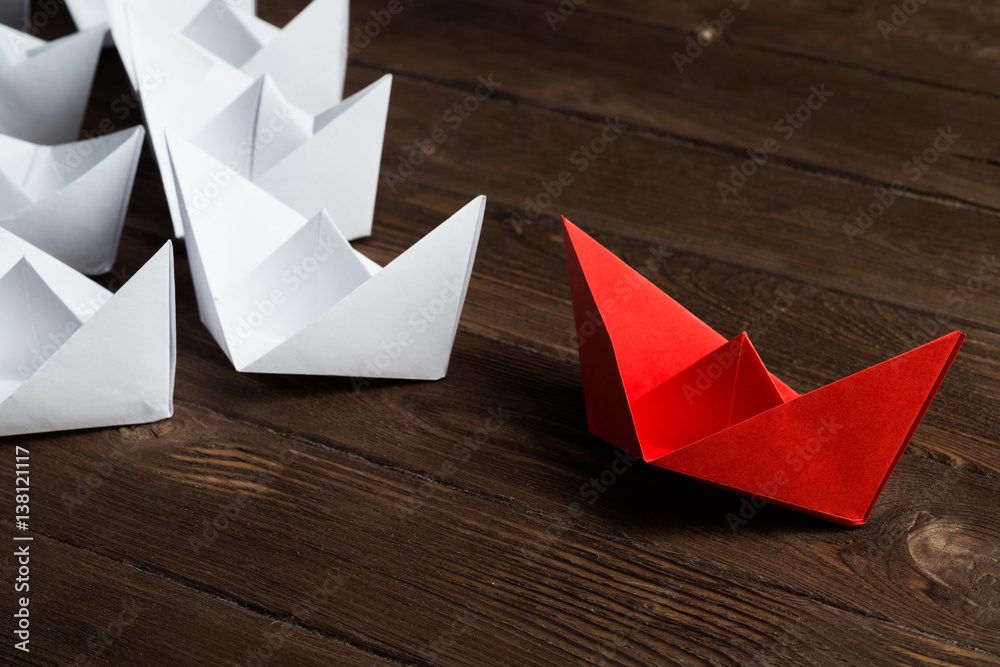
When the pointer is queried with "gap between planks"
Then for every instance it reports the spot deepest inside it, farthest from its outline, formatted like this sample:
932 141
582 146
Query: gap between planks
639 547
773 162
203 588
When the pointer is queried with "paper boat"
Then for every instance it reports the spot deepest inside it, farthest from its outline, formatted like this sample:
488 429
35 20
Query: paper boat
662 385
73 355
70 200
330 160
282 293
44 86
177 13
308 58
15 13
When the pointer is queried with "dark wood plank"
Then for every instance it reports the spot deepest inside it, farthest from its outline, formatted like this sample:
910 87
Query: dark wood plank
866 132
950 45
786 223
537 462
86 609
305 508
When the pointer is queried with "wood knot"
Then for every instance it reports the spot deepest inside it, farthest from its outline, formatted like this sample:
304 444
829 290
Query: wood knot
146 431
961 562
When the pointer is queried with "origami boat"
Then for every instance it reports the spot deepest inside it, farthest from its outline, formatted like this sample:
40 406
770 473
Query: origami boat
308 58
44 86
662 385
70 200
328 162
73 355
281 293
310 162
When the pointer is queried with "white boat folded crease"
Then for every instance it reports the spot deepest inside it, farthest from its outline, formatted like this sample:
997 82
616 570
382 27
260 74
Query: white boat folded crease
70 200
72 354
178 13
283 293
268 123
45 86
308 57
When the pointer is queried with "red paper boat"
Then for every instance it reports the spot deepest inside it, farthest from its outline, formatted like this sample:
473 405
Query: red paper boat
662 385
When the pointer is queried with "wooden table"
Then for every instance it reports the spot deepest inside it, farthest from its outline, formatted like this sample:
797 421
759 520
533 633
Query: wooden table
296 521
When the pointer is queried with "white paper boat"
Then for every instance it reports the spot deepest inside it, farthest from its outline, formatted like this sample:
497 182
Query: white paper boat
308 58
72 355
70 200
44 86
15 13
328 161
282 293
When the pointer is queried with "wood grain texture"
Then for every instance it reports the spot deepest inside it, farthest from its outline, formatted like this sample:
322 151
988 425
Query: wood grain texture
947 44
302 520
730 98
115 612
